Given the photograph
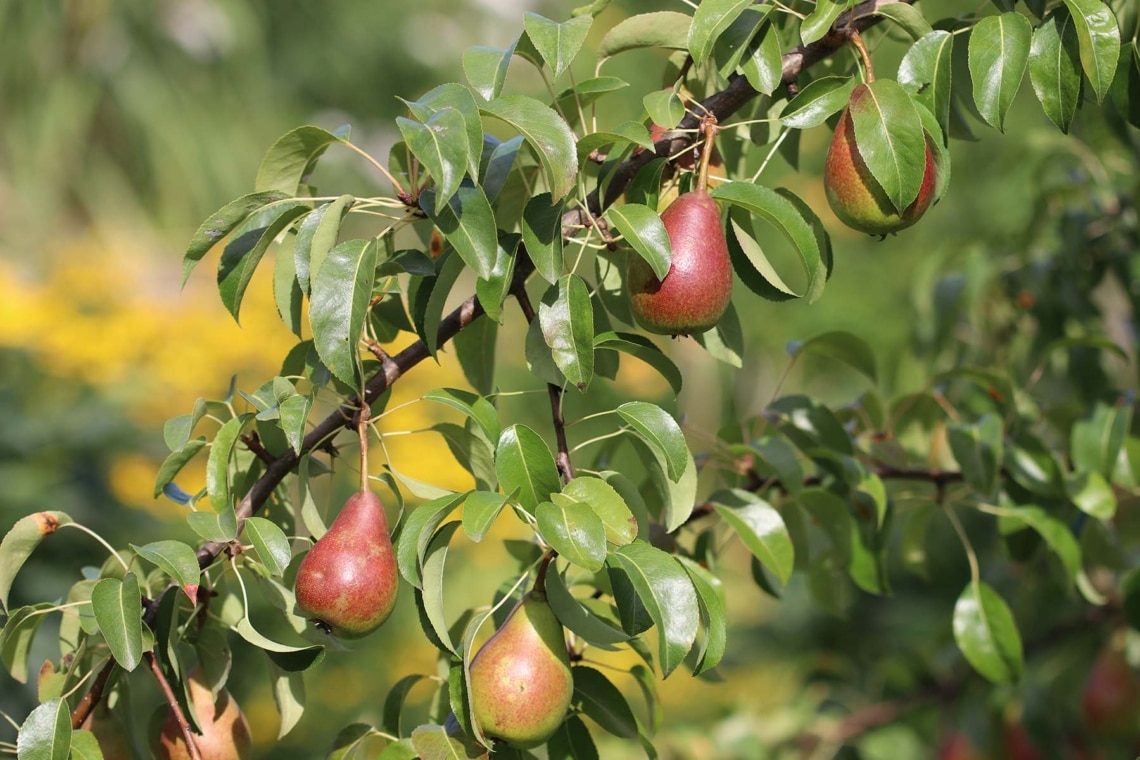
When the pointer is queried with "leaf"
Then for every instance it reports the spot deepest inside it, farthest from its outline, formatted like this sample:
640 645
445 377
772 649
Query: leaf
925 72
542 236
819 21
248 244
890 139
292 157
1056 534
84 746
394 703
642 228
557 43
316 235
810 425
214 526
441 145
604 500
289 696
523 461
475 350
176 432
567 323
574 531
760 527
578 618
978 451
19 543
493 291
645 350
764 67
787 217
434 743
46 733
658 428
816 102
998 54
660 29
286 656
416 533
1092 494
221 223
1098 38
986 633
287 293
468 224
664 107
218 465
17 636
479 512
907 17
342 290
270 543
434 559
572 741
177 560
1096 442
474 406
118 611
677 497
598 699
1055 68
777 459
714 615
841 345
431 300
546 132
665 589
486 69
710 20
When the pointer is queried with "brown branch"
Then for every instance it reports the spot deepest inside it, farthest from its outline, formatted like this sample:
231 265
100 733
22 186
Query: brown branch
93 695
187 732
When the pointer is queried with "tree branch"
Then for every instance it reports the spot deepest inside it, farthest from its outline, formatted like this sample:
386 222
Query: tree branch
187 732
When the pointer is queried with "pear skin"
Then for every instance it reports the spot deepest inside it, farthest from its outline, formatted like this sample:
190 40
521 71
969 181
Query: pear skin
1110 702
521 683
698 286
225 732
348 581
854 194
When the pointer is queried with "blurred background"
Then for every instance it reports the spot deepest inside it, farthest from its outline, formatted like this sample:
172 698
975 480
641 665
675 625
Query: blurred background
124 123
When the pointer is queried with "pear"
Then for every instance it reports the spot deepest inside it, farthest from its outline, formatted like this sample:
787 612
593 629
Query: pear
109 733
521 684
1110 702
348 581
698 286
225 732
854 194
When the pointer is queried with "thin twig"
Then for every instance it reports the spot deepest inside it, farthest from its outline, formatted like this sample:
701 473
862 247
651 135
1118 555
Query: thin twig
187 732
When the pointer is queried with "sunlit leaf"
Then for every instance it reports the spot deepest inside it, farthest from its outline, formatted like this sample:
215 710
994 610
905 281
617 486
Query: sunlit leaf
998 54
118 611
987 633
19 543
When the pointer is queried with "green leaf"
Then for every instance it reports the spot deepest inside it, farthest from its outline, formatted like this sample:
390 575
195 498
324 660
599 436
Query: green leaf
907 17
665 589
431 299
777 459
493 290
660 29
249 243
604 500
1056 534
287 294
479 512
925 72
176 432
221 223
177 560
1096 442
574 531
890 139
285 656
658 428
84 746
118 611
810 425
841 345
578 618
664 107
292 157
523 461
441 145
21 541
816 102
1098 37
819 21
572 741
1055 67
760 527
542 236
787 216
17 636
714 615
294 413
214 526
468 224
987 634
764 67
289 696
486 69
475 350
546 132
431 598
1092 493
642 228
416 533
557 43
342 290
710 20
602 702
998 54
978 451
567 323
394 703
270 543
46 733
456 96
676 497
316 235
476 407
434 743
218 465
645 350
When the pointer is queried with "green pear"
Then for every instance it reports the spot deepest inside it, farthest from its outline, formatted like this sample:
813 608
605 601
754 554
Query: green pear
225 732
521 684
698 286
854 194
348 581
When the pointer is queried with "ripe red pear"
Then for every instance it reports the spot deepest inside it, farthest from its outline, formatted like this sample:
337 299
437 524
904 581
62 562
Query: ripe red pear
698 286
957 746
521 683
225 732
1110 702
348 581
854 194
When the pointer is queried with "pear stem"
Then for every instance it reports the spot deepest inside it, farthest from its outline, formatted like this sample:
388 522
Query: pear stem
868 68
540 578
187 733
362 431
708 126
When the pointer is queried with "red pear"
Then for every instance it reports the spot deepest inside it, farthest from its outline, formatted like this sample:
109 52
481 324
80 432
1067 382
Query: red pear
348 580
1110 702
